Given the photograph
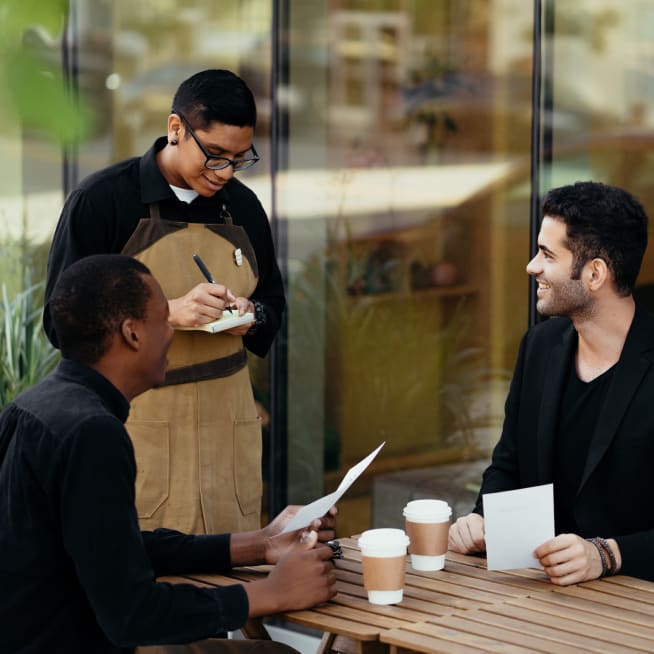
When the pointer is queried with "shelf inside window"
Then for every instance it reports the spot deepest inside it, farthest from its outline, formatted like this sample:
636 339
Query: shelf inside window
436 292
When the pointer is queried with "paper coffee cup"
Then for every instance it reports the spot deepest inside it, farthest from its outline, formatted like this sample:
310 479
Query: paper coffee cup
383 555
427 525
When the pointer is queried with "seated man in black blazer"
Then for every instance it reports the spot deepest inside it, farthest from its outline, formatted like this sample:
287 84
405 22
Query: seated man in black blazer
580 410
76 573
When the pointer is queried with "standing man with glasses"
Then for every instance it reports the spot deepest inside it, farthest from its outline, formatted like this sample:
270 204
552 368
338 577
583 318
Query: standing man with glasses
197 438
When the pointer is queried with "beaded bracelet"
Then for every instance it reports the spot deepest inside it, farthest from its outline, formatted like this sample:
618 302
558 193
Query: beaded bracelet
598 547
613 564
609 562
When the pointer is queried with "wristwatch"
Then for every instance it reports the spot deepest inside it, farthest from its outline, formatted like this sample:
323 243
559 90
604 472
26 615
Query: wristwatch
260 317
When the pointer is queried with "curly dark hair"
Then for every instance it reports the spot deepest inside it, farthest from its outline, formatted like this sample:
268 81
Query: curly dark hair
92 298
215 95
601 221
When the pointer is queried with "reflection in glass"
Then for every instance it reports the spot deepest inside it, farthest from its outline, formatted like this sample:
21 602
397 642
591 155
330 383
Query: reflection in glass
410 267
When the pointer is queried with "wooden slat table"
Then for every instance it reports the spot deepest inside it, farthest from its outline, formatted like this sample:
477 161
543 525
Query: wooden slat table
466 608
547 622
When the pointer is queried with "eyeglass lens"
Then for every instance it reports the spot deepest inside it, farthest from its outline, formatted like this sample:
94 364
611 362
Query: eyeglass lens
218 163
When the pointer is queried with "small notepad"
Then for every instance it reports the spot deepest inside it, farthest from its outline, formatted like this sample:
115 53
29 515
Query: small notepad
226 321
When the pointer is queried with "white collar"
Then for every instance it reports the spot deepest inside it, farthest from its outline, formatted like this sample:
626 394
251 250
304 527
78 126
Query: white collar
184 194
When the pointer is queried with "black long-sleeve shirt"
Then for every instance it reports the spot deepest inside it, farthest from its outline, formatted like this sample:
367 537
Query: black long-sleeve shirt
76 573
101 214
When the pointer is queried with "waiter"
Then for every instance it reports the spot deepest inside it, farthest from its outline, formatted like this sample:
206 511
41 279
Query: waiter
197 439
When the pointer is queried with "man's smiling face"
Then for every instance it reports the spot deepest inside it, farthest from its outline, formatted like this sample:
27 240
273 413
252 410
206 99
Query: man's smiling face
558 294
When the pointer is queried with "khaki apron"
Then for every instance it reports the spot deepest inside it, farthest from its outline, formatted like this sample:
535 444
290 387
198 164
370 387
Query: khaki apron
197 440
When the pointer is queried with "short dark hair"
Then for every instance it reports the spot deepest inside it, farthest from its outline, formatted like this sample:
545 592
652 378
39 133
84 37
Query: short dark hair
92 298
215 95
601 221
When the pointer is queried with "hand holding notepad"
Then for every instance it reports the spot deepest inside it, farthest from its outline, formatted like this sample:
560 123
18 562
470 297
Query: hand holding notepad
226 321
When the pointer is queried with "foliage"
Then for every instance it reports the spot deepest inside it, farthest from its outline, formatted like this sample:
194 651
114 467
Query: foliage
26 355
33 96
421 383
22 259
464 380
32 89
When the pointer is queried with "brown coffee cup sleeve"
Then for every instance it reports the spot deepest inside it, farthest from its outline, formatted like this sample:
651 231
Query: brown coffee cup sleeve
427 539
383 573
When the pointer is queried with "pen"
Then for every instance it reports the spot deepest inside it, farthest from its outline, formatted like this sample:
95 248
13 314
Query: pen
207 274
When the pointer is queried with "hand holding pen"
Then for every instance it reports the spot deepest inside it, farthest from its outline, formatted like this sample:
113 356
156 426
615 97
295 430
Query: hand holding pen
209 277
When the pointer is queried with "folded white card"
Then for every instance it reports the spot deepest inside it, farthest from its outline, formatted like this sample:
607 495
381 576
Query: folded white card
516 523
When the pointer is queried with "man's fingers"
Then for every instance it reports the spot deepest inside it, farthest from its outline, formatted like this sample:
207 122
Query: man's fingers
454 539
326 525
569 559
467 534
308 539
325 552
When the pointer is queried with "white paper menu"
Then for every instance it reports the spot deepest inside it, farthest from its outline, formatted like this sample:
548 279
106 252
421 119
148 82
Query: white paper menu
516 523
319 507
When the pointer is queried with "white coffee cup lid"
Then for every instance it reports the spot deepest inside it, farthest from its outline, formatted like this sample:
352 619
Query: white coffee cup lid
421 510
383 540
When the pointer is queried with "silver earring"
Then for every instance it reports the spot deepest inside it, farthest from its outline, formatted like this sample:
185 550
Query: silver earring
173 142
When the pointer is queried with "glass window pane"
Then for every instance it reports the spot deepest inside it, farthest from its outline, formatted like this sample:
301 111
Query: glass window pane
602 92
404 198
407 204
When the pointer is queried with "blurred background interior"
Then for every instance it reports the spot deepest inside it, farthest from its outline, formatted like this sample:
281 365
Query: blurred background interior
402 145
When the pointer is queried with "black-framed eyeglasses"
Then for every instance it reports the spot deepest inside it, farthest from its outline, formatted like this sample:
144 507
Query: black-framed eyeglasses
214 162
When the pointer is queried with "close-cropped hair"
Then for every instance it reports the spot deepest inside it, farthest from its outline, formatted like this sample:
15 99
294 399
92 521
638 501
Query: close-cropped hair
91 300
215 95
604 222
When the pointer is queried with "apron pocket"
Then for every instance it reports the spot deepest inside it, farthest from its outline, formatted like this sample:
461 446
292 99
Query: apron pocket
151 439
247 465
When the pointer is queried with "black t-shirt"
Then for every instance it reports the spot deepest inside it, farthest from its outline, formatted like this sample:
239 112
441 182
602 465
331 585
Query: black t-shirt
580 406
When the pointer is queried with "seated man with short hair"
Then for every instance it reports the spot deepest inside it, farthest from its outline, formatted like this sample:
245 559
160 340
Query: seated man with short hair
76 573
579 411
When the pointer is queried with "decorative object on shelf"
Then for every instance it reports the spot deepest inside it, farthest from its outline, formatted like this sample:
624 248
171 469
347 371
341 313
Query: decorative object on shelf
444 273
419 275
383 270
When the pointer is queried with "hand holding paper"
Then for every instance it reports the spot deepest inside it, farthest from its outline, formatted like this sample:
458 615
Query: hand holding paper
516 523
319 507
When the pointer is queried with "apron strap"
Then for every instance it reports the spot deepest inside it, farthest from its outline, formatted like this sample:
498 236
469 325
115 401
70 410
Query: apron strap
225 216
223 367
154 211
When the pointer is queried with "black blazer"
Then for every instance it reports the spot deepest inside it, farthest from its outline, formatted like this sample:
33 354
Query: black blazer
616 494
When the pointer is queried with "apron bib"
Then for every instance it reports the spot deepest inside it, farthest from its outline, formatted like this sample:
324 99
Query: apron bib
197 440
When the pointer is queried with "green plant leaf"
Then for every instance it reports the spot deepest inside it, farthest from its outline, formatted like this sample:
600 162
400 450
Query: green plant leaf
32 90
26 355
18 15
40 100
